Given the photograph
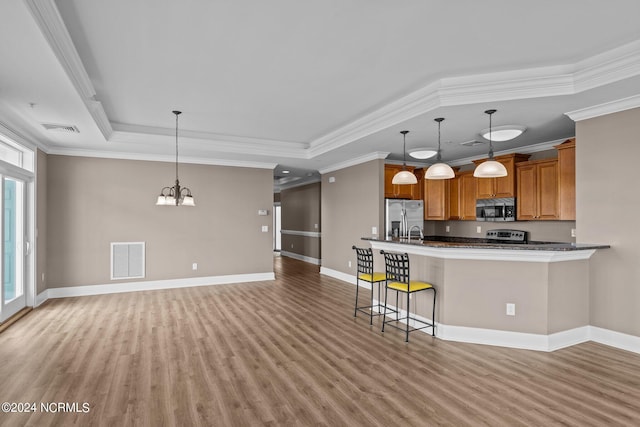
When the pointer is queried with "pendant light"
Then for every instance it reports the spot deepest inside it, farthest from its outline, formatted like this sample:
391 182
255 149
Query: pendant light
490 168
404 177
439 170
175 195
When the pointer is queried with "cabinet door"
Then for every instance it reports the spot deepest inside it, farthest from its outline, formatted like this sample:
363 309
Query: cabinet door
436 199
504 186
547 187
389 188
468 196
454 198
394 191
485 188
527 195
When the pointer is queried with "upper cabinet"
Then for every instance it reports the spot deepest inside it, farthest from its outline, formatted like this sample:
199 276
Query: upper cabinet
395 191
436 198
537 190
489 188
567 178
462 196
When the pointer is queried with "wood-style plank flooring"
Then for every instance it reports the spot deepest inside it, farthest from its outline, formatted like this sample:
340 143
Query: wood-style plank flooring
289 352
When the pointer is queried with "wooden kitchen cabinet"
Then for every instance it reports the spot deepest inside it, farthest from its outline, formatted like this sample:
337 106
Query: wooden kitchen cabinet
489 188
567 179
395 191
462 197
436 199
537 189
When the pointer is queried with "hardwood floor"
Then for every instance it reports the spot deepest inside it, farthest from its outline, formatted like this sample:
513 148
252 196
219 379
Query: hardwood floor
289 352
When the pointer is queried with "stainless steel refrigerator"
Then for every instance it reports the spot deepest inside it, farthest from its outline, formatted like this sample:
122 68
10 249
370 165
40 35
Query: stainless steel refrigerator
402 215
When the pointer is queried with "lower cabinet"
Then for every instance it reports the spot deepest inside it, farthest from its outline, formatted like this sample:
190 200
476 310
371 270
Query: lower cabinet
538 196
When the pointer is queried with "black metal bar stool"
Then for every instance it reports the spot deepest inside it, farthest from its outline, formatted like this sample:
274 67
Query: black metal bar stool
366 274
397 272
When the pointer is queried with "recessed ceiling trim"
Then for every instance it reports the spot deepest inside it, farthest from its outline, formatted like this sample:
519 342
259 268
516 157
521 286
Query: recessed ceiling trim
48 19
608 67
527 149
159 158
355 161
210 142
558 80
603 109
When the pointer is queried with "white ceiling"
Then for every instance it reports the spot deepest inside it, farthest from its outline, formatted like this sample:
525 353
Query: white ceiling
309 85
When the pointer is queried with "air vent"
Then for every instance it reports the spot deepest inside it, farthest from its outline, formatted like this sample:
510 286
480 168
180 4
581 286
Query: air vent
472 143
60 128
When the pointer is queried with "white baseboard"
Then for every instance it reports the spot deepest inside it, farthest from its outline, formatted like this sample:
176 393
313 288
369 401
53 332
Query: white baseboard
41 297
111 288
304 258
349 278
615 339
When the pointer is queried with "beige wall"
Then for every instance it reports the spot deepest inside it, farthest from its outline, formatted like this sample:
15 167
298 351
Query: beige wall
92 202
41 222
607 204
300 211
350 207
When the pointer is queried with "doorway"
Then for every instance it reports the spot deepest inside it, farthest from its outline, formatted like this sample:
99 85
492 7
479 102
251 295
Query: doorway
14 251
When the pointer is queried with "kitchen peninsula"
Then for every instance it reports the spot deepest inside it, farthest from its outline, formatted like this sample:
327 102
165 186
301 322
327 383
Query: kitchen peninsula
545 283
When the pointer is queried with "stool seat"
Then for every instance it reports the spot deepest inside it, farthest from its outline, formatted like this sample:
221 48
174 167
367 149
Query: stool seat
414 286
375 277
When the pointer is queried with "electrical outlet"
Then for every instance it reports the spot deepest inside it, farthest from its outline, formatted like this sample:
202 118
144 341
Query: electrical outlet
315 226
478 229
573 232
511 309
447 228
374 230
194 266
349 264
292 246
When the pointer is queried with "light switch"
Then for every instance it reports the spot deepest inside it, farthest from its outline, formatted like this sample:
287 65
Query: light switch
263 212
265 228
332 179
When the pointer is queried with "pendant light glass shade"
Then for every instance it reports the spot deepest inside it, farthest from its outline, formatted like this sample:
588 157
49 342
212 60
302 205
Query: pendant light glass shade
404 177
490 168
439 170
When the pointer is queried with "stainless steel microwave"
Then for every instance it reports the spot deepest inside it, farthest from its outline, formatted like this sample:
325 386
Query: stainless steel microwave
498 210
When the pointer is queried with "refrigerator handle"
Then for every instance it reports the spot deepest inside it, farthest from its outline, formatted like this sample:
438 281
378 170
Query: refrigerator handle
403 230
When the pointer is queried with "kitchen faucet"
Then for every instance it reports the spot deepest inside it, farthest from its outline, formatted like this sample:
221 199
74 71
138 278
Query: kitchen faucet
419 229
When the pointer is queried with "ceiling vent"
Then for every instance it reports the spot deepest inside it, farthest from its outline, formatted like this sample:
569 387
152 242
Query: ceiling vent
60 128
472 143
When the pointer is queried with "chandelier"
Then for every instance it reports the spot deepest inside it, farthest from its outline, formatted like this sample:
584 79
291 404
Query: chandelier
175 195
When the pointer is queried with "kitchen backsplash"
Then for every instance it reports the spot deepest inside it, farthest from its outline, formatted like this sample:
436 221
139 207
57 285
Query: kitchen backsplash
542 231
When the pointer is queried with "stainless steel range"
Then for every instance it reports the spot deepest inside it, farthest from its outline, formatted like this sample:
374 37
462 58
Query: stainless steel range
507 236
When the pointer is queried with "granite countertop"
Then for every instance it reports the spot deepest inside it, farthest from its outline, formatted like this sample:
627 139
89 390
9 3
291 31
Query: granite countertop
476 243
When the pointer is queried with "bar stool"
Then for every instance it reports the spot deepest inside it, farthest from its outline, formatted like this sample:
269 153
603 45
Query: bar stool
397 272
366 274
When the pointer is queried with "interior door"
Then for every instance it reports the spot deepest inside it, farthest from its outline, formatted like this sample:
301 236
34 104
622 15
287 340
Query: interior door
12 295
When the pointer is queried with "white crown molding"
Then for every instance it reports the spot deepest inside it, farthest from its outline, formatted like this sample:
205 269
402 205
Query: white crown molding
608 67
598 70
377 155
48 19
19 137
527 149
212 142
300 183
605 108
158 158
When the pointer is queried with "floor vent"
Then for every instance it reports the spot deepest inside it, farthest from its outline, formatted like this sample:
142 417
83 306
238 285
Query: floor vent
60 128
127 260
